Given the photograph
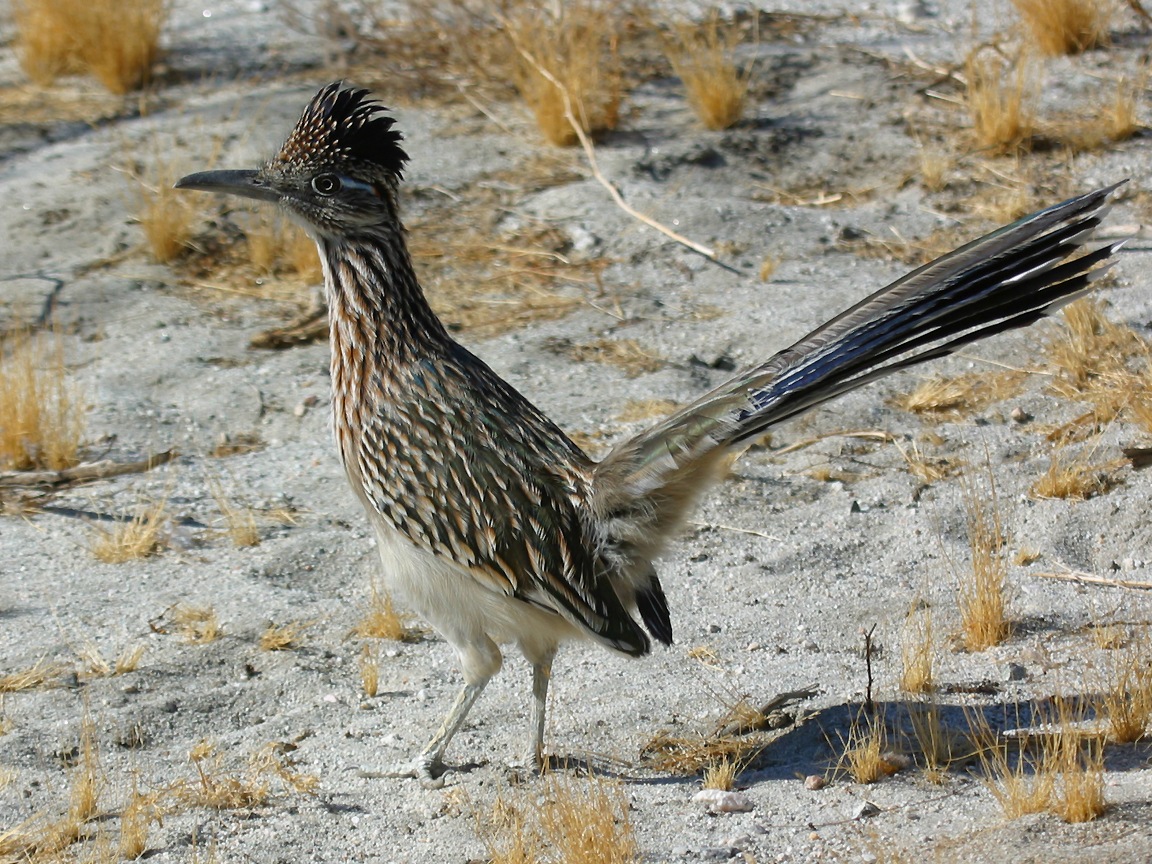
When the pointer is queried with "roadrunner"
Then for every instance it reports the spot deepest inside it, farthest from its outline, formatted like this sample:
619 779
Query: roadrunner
491 522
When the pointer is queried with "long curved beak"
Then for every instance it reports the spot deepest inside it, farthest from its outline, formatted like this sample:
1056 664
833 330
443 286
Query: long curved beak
244 183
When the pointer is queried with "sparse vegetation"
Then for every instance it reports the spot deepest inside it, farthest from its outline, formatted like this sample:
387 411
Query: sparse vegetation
982 589
1057 766
42 414
1126 703
381 619
865 756
42 674
568 51
167 216
917 651
118 43
1072 479
703 56
133 539
721 775
574 821
283 637
1059 27
1000 99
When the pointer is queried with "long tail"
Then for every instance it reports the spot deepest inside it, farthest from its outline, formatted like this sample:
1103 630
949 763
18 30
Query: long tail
1009 278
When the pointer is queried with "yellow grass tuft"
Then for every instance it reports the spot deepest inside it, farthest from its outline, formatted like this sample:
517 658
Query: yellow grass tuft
573 821
239 521
370 670
917 652
167 216
41 675
575 44
278 246
865 756
962 394
381 619
703 56
42 414
1059 27
136 819
1058 767
1126 702
139 537
721 775
1073 480
283 637
1000 100
116 42
982 589
198 625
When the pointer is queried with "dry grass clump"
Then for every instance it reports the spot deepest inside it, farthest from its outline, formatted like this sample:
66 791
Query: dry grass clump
625 354
197 625
1000 100
1073 480
116 42
239 522
277 246
1126 703
1057 766
703 56
695 754
1059 27
283 637
168 217
917 652
42 414
42 674
139 537
982 589
573 821
96 665
962 394
1089 349
721 775
369 666
381 619
221 788
568 52
865 755
136 818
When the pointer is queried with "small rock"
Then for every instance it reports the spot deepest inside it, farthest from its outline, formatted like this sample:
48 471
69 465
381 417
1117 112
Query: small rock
814 782
895 762
865 810
719 801
1017 672
1019 415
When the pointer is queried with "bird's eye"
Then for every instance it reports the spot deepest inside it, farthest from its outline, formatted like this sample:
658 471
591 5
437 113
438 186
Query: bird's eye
326 184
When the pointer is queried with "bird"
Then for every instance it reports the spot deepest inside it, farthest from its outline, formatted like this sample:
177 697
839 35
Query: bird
490 521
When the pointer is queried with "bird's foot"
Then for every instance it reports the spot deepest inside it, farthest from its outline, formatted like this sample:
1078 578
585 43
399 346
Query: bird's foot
430 772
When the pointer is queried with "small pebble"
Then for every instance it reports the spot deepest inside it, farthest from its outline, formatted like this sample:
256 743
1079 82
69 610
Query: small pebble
1017 672
865 810
814 782
1019 415
719 801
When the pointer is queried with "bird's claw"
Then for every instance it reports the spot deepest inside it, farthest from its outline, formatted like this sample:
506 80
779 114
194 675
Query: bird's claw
430 772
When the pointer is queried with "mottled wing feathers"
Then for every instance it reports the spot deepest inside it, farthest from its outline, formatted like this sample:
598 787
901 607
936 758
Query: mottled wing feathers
491 496
342 126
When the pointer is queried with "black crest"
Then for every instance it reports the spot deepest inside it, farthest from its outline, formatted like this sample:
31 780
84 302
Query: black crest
345 125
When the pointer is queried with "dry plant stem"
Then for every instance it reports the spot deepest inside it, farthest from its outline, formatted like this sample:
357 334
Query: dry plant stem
89 473
1082 578
590 153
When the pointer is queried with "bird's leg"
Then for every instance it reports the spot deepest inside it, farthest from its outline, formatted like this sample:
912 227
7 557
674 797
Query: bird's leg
541 675
428 767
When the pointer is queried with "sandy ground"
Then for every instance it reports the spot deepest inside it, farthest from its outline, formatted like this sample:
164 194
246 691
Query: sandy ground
784 566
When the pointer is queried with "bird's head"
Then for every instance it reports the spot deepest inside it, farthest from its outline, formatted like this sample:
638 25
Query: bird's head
337 173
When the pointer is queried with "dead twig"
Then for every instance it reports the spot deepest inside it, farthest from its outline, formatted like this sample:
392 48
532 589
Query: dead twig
1082 578
89 473
590 154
